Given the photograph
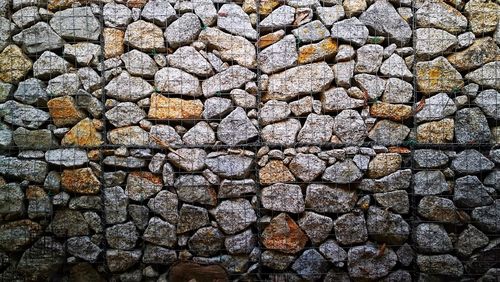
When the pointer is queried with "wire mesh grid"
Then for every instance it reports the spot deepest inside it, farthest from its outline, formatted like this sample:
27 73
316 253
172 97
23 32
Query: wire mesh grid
262 140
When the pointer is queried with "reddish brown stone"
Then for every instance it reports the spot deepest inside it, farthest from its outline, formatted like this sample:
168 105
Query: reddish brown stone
275 172
284 235
80 180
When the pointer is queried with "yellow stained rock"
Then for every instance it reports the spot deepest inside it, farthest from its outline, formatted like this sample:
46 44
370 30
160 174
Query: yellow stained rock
270 38
64 112
80 180
83 134
314 52
436 132
174 108
113 42
395 112
14 64
274 172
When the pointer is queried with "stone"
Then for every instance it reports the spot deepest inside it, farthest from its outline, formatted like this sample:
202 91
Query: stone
38 38
469 240
174 108
159 12
482 16
125 114
6 137
350 229
40 139
438 14
26 16
430 183
188 159
350 31
80 180
275 172
191 218
397 201
31 170
142 185
240 50
330 199
466 39
177 81
165 204
122 236
236 128
487 100
330 15
83 134
311 32
235 215
42 260
183 31
436 132
195 189
234 20
493 179
384 164
281 133
115 205
137 88
342 172
385 20
310 265
343 72
17 235
432 42
471 161
229 165
438 209
440 265
31 91
436 107
395 66
120 260
227 80
64 111
216 107
289 83
370 84
487 218
14 64
395 112
140 64
317 129
270 38
158 255
273 111
236 188
387 227
367 262
164 135
337 99
369 58
206 241
283 197
63 85
190 60
483 75
437 75
67 157
160 233
113 42
279 18
333 252
469 192
49 65
6 91
242 243
76 23
144 36
116 15
324 49
278 56
284 235
481 52
276 260
432 238
397 91
306 167
68 223
200 134
128 136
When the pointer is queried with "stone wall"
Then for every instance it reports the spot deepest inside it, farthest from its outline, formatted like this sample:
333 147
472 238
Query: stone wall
270 140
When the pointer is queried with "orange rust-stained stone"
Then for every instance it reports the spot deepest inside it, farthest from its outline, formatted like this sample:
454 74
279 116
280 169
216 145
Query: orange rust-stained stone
55 5
275 171
83 134
113 42
64 112
437 75
80 180
270 38
136 3
267 6
174 108
314 52
34 192
395 112
284 235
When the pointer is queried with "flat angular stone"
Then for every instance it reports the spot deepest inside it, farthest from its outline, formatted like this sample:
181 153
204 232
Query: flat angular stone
67 157
430 183
283 197
311 32
142 185
183 31
139 64
49 65
174 108
137 88
350 229
190 60
438 14
177 81
236 128
330 199
395 66
350 31
235 21
32 170
307 167
160 233
483 16
76 23
437 75
83 134
191 218
487 218
234 216
488 101
471 126
485 75
481 52
284 235
431 42
278 56
436 132
364 262
471 161
387 227
386 132
440 265
436 107
316 130
432 238
159 12
310 265
38 38
469 192
229 166
144 36
229 79
279 18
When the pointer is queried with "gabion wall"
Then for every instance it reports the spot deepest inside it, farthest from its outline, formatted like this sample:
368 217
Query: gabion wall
172 140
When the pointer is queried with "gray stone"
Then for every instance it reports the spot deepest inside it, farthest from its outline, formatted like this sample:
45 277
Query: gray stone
236 188
273 111
343 72
40 139
330 15
337 99
159 12
158 255
333 252
290 83
311 32
140 64
350 31
191 218
469 240
282 133
278 56
206 241
307 167
436 107
429 182
242 243
438 209
488 101
68 223
127 162
430 158
42 260
349 127
206 11
183 31
84 248
369 58
120 260
38 38
115 205
367 262
31 170
385 20
387 227
350 229
471 161
83 53
276 260
160 232
483 75
216 107
316 130
395 66
230 165
493 179
200 134
49 65
373 85
128 136
26 16
236 128
397 201
177 81
6 136
139 215
142 185
69 157
469 192
116 15
432 42
188 159
242 98
283 197
12 199
165 204
166 134
188 59
23 115
6 90
137 88
432 238
89 78
234 20
397 91
438 14
342 172
440 265
125 114
90 103
279 18
398 180
327 199
229 79
310 265
76 24
386 132
234 215
195 189
487 218
6 28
